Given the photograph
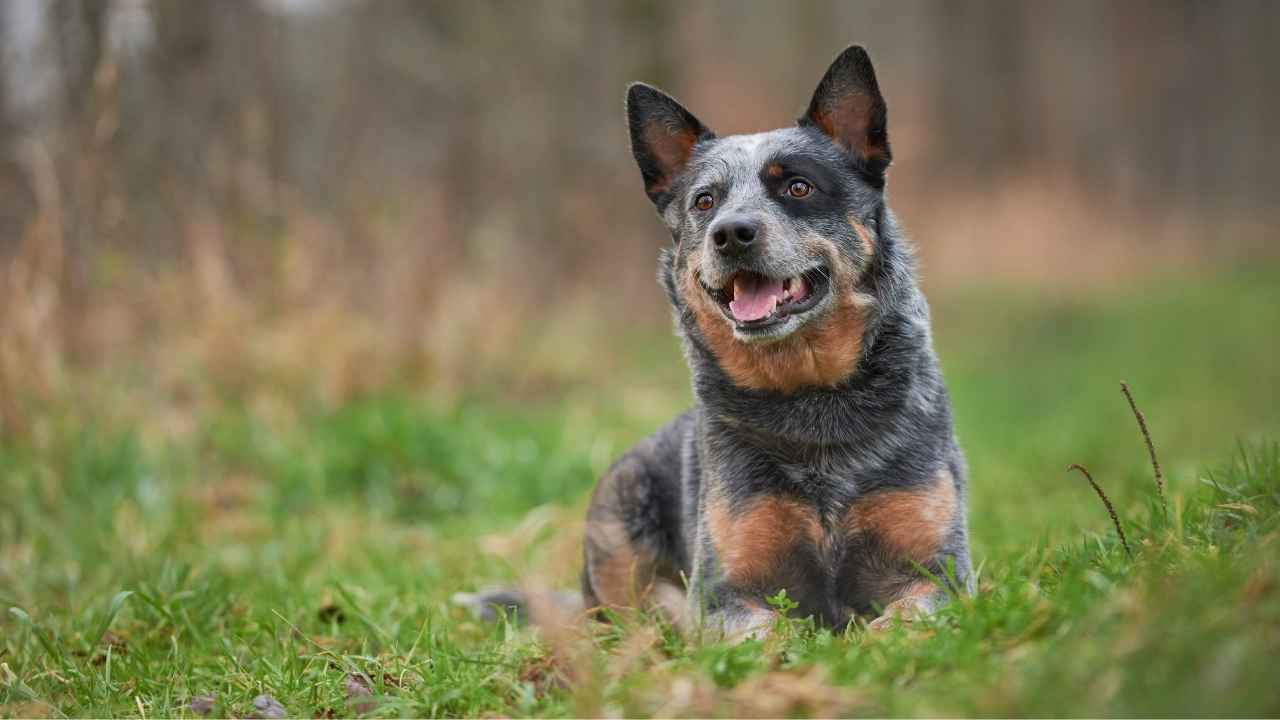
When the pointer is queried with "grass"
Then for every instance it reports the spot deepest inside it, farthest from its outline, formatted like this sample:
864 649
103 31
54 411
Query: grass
286 547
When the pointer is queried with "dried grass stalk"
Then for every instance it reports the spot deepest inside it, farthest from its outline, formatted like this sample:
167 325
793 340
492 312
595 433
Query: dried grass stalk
1115 519
1151 448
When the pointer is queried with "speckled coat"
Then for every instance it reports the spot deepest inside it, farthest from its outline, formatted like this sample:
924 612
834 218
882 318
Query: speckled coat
819 456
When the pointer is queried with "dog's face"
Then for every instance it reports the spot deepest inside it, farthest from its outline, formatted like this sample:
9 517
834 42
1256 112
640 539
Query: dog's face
772 231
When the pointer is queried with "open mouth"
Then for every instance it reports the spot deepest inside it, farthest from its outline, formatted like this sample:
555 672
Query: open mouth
753 300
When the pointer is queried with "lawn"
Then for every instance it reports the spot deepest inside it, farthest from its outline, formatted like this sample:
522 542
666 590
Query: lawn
279 554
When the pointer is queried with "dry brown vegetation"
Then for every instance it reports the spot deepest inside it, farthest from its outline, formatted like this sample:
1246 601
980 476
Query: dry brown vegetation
206 200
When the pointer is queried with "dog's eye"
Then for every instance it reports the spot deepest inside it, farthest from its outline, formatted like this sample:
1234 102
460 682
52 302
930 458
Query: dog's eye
799 188
704 202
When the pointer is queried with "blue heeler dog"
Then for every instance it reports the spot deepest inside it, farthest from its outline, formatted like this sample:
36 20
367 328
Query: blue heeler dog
819 456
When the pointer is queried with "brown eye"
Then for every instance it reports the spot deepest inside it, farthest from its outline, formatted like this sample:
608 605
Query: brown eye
799 188
704 202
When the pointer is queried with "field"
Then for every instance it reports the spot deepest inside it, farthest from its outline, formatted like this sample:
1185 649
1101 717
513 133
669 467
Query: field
157 564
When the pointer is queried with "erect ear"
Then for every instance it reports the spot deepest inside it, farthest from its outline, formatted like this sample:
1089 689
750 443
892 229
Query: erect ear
663 134
848 108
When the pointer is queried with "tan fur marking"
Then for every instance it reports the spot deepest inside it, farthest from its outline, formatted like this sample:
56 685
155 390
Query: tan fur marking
865 237
620 576
671 150
623 578
847 121
774 170
751 543
819 355
912 523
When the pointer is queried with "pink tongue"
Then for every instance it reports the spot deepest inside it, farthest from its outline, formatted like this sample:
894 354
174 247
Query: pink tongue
753 296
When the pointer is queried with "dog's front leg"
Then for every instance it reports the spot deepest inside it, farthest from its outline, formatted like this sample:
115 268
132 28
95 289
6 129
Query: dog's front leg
730 614
723 608
749 549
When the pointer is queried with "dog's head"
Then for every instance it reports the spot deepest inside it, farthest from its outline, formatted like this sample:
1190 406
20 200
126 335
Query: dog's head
774 230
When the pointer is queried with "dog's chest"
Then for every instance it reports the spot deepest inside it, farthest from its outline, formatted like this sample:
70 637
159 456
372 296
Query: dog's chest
834 546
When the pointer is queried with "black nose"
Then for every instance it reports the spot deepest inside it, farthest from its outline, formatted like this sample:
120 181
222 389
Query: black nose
734 236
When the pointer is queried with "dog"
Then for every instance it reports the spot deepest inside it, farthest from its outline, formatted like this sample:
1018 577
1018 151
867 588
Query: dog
819 457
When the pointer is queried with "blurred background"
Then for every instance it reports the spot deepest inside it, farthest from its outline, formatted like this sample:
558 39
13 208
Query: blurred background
284 207
441 175
319 304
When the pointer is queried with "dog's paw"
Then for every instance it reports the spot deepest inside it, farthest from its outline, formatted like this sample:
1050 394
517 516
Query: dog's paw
905 611
488 604
734 628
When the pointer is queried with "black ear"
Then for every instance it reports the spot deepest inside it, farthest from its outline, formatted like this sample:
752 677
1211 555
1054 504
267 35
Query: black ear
848 108
663 134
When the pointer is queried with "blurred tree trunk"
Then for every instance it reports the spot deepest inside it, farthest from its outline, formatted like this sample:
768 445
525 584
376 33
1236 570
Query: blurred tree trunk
14 210
79 31
991 104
